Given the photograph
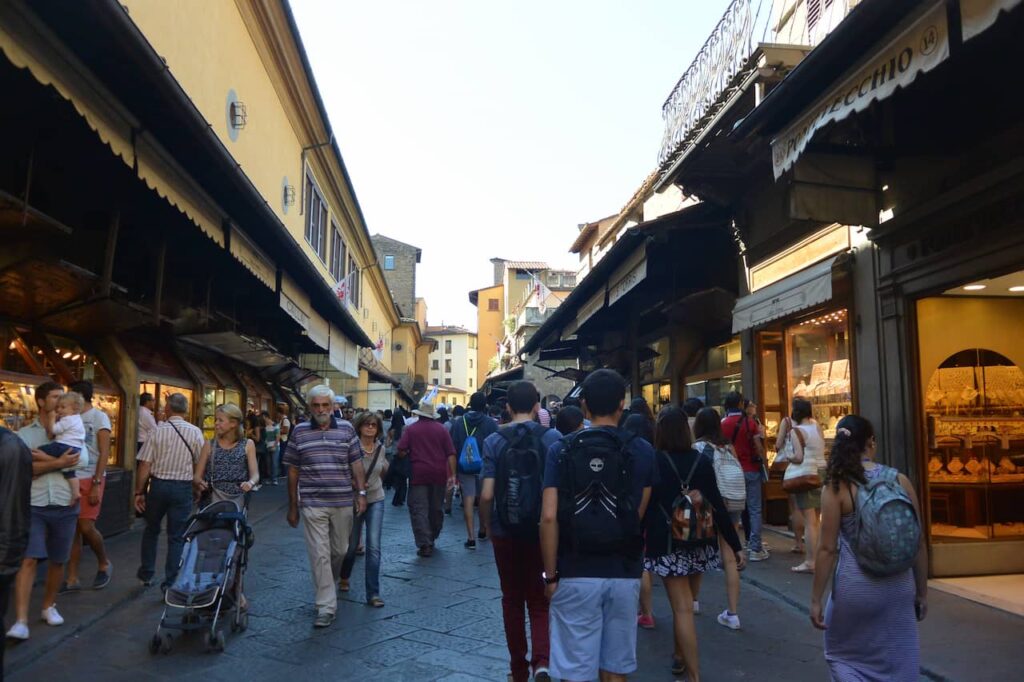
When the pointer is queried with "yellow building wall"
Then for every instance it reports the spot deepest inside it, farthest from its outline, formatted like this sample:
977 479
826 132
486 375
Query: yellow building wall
489 329
209 49
404 361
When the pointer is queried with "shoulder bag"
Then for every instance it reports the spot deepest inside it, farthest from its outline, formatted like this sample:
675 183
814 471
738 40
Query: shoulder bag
803 476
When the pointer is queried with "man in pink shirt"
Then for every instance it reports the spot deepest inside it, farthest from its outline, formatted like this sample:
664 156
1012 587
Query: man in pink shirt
430 450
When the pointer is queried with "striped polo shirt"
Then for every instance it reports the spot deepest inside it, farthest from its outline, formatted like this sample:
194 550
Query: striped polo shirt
323 458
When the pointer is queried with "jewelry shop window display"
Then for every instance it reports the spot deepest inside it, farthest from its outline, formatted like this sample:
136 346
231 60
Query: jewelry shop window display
972 353
808 359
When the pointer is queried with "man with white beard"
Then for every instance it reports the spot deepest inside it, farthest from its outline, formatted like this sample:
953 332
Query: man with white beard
324 461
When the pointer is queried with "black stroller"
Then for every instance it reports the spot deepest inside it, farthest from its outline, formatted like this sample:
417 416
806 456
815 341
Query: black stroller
210 581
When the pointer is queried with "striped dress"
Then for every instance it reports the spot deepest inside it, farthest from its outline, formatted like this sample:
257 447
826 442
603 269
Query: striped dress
872 629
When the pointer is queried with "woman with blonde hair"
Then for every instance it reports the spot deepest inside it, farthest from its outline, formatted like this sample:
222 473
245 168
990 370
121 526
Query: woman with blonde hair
233 470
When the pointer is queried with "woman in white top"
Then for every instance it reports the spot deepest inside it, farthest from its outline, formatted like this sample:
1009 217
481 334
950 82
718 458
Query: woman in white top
808 446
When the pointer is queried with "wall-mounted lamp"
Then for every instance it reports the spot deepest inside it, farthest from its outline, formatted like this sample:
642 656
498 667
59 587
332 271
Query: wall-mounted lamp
238 115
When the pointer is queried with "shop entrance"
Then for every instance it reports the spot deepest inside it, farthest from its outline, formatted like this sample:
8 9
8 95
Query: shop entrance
971 355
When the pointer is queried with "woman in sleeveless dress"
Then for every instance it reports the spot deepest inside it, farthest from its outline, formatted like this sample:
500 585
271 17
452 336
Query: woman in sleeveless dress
228 462
870 622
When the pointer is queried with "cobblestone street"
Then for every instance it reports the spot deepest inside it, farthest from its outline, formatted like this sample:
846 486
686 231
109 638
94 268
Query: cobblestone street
443 621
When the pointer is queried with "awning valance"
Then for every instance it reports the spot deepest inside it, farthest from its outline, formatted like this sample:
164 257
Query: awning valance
801 291
914 47
977 16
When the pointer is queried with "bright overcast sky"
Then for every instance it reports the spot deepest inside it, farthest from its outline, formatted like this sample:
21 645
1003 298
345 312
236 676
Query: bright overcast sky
474 129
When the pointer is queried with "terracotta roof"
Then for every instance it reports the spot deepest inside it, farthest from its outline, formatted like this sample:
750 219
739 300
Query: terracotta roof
586 231
527 265
635 202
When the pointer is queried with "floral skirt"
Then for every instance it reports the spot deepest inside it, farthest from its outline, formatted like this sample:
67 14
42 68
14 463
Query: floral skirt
688 561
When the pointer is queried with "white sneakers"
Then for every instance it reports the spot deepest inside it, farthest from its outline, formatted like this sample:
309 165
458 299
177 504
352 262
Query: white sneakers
729 620
18 631
52 617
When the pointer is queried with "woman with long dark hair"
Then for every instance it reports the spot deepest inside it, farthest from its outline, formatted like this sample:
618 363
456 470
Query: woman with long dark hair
869 621
711 442
681 567
399 475
808 450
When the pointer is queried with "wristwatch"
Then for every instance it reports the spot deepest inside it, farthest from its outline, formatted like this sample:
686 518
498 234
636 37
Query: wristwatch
549 581
96 480
363 493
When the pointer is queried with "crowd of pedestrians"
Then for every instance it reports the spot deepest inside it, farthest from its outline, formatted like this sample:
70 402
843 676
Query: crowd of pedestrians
585 504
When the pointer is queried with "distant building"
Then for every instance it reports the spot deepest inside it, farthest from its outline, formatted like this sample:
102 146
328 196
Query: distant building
398 261
453 362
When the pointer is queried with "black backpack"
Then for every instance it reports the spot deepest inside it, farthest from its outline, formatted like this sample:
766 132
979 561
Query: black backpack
519 480
596 514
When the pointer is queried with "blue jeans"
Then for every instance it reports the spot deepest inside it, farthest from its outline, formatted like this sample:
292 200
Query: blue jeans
275 463
172 499
374 521
754 483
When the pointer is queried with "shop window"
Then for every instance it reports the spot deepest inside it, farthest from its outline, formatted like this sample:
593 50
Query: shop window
492 305
389 262
716 375
971 352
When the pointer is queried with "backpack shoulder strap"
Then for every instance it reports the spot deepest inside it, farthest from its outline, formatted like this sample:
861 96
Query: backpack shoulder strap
671 464
795 428
693 469
465 427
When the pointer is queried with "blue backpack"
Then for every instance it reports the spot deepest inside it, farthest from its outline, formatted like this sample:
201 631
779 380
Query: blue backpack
470 460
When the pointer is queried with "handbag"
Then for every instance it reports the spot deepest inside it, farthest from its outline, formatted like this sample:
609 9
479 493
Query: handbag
800 477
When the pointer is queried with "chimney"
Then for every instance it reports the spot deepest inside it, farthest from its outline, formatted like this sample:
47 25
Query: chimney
499 270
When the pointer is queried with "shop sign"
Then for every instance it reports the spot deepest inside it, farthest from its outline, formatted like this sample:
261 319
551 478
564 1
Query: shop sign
977 16
694 97
817 247
913 50
588 309
294 311
624 285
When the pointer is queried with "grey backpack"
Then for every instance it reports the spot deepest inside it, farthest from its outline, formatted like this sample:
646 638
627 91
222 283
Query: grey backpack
887 532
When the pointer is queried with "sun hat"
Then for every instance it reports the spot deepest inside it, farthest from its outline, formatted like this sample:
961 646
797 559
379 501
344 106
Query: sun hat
426 409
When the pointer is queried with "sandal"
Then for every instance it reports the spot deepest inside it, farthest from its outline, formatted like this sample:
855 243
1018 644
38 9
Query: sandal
803 568
797 549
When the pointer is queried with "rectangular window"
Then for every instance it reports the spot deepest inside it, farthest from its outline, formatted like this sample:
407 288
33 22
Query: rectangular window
434 364
448 347
447 382
471 382
389 262
352 267
524 274
448 365
337 253
568 280
471 363
435 381
316 219
552 279
472 344
492 305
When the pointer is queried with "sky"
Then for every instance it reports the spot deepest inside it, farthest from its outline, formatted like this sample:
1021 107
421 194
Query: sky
476 129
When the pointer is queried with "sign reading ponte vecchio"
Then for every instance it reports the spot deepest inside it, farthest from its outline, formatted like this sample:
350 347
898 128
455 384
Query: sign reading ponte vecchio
915 49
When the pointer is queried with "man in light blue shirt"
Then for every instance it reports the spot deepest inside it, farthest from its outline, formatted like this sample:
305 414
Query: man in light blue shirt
53 516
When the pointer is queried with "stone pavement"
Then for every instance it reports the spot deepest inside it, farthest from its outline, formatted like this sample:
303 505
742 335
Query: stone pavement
442 621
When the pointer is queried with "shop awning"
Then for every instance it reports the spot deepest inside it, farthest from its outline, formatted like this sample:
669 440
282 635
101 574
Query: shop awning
977 16
915 46
803 290
247 349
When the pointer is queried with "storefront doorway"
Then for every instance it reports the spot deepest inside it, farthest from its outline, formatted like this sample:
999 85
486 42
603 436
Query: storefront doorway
970 342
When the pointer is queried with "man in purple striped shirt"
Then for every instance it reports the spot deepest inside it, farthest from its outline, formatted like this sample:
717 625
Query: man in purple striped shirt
324 459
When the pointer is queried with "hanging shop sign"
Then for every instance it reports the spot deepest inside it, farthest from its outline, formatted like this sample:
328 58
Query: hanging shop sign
628 275
912 50
977 16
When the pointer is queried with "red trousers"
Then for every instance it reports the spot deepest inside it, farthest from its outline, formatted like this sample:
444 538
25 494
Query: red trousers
522 589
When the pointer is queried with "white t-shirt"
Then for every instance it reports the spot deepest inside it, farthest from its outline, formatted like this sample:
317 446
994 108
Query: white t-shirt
70 431
95 420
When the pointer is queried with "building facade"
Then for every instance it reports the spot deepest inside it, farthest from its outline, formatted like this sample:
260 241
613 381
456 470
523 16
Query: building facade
398 260
453 363
177 216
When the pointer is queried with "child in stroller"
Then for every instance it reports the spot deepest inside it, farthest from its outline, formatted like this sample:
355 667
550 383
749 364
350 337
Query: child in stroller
210 582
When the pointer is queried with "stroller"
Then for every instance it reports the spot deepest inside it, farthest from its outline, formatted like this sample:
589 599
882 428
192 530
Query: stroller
210 580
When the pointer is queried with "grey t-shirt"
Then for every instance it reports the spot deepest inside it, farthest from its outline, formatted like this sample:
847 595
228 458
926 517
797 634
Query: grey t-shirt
95 420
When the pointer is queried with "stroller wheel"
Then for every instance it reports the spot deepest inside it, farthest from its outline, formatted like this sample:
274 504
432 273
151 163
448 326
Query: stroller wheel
154 645
218 641
161 642
243 621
